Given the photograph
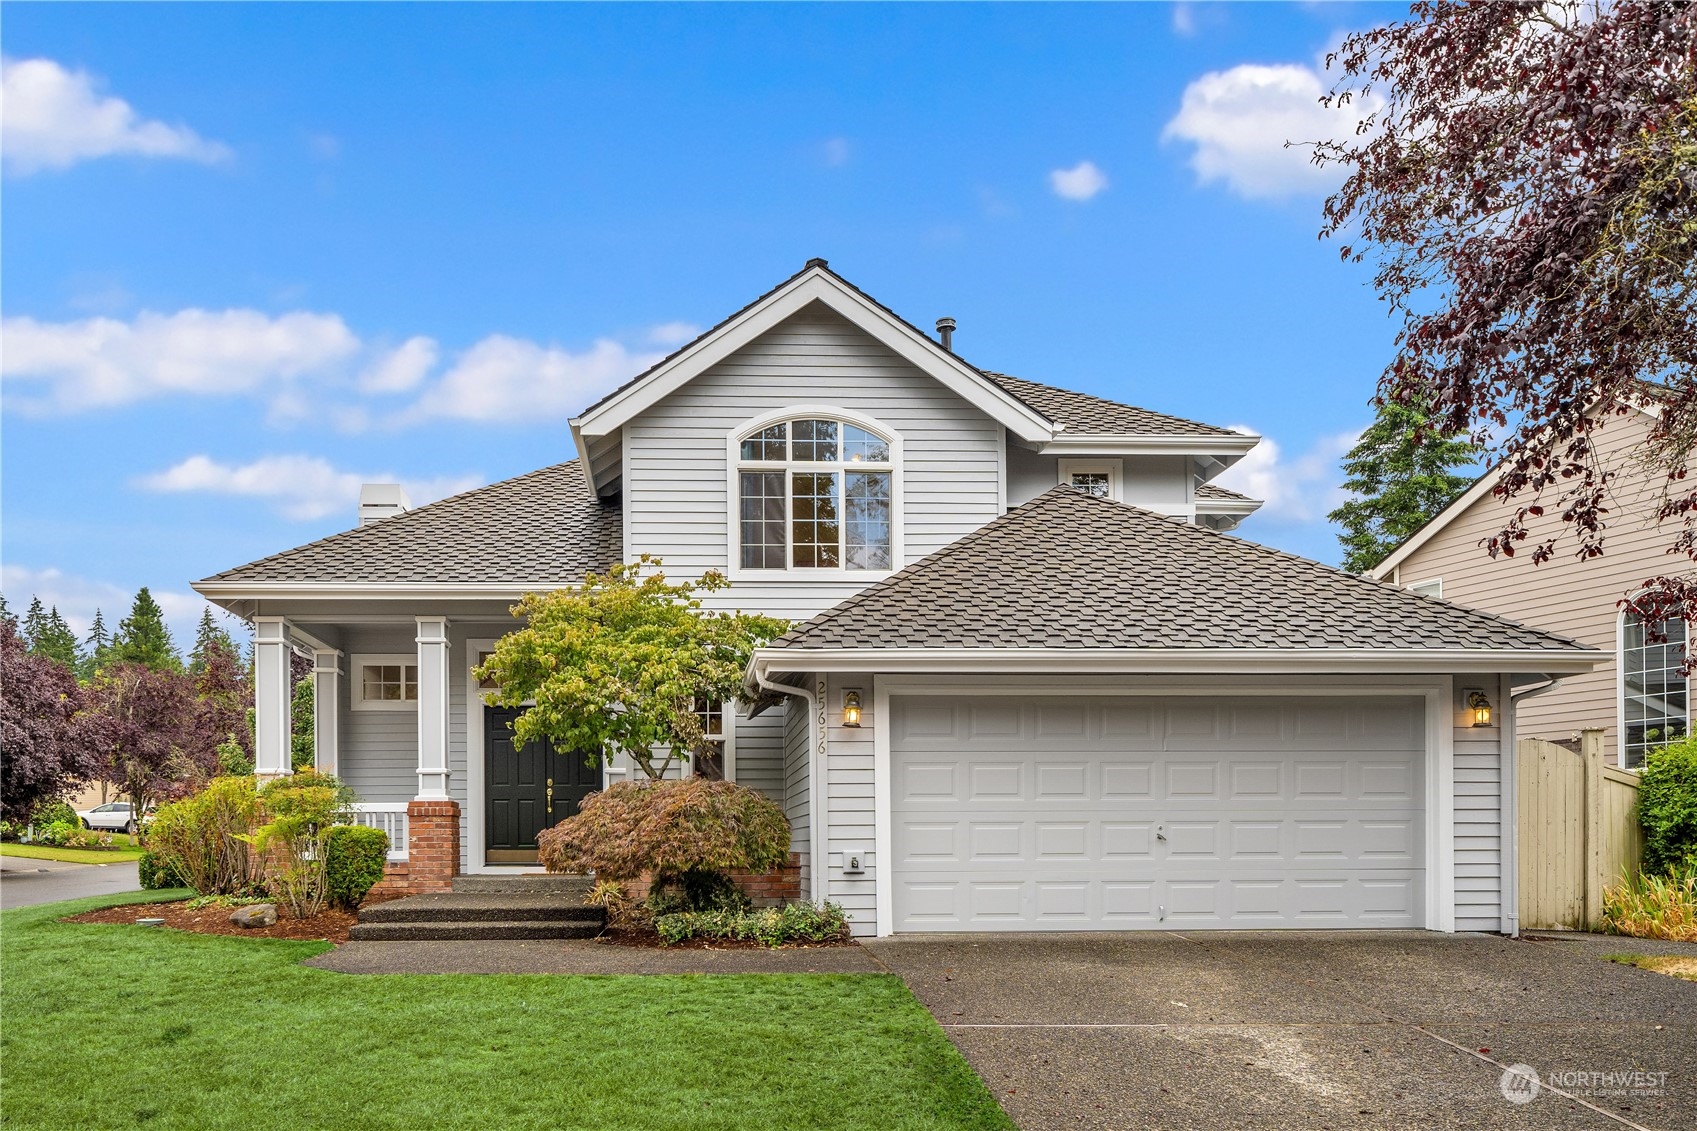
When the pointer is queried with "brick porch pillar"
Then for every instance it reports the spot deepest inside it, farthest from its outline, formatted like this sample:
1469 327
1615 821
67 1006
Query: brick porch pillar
433 845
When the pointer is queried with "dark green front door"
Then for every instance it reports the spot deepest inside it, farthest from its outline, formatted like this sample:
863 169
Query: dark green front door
528 788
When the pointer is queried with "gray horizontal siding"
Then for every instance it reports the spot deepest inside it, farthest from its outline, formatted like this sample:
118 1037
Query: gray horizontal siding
760 753
676 502
1478 834
850 820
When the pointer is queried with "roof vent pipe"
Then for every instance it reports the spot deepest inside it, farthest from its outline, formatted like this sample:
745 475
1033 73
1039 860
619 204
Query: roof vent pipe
946 333
378 501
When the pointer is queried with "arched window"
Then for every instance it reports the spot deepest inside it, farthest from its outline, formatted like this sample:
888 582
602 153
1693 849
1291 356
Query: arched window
1655 695
815 492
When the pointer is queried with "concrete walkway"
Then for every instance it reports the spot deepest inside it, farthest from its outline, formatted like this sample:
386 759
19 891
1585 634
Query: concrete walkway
1305 1030
25 882
584 956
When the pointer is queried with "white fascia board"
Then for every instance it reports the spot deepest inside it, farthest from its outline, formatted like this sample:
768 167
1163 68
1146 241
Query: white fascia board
767 661
282 590
816 285
1105 444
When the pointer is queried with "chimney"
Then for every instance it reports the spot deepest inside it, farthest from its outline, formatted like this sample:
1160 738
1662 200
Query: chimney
378 501
946 333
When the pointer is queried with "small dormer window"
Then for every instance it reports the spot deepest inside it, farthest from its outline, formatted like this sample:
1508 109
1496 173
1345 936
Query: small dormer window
815 493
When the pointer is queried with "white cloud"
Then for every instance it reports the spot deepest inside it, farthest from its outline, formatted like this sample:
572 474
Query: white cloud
1303 489
299 487
62 367
307 366
1238 122
52 118
673 333
401 369
77 598
1081 182
510 379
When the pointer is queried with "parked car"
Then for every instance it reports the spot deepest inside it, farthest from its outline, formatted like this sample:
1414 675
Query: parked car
114 816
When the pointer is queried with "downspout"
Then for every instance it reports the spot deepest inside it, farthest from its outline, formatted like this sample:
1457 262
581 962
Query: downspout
815 779
1511 800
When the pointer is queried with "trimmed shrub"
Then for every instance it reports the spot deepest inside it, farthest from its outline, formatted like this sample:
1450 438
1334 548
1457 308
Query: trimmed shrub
680 833
156 874
300 811
50 813
202 838
353 861
1667 808
1653 907
770 926
696 891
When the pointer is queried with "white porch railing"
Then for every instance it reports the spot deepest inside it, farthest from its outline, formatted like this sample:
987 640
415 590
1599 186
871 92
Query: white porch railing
391 817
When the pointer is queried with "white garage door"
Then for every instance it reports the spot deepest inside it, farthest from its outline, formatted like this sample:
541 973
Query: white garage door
1086 812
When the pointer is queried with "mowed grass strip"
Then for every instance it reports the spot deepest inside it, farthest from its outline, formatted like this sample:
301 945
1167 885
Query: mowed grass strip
120 1026
73 855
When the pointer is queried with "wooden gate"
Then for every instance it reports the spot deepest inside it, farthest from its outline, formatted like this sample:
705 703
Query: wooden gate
1578 832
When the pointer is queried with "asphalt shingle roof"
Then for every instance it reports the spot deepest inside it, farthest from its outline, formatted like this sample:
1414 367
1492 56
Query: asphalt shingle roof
1067 570
546 526
1085 415
1210 491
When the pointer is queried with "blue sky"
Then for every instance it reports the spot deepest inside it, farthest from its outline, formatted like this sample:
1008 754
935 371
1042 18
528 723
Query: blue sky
256 254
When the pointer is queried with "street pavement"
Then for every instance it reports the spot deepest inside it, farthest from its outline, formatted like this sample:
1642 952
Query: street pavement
25 882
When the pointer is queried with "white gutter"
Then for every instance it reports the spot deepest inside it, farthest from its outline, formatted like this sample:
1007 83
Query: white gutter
815 784
1437 661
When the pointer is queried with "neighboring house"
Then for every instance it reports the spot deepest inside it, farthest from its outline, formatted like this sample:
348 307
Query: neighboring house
1034 686
1639 695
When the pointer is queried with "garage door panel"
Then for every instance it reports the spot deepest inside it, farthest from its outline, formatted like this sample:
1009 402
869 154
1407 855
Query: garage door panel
1071 825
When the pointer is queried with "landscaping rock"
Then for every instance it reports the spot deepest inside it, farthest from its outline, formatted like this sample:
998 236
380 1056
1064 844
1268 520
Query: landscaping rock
255 915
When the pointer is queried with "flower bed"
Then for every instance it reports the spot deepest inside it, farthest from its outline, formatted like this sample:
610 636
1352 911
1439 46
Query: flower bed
330 925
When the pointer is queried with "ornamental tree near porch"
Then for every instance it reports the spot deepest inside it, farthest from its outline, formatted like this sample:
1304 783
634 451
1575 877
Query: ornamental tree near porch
621 663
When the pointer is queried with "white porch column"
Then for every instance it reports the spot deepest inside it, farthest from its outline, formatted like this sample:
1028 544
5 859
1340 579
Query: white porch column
271 697
326 708
432 708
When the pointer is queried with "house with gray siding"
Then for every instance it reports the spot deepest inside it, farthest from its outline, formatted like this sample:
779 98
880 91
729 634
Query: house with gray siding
1033 683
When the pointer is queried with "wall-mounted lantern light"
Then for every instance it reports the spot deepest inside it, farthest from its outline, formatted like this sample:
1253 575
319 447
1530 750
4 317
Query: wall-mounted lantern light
851 708
1480 708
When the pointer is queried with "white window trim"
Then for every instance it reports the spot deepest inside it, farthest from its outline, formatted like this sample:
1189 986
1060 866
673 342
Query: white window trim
1436 584
727 739
1620 691
1114 468
733 496
356 692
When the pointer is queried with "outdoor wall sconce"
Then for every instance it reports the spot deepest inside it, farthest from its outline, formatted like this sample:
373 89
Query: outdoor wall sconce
851 708
1480 707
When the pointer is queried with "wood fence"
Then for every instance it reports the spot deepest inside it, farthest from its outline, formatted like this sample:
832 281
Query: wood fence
1578 832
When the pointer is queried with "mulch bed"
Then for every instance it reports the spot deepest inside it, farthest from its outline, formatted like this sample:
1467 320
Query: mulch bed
330 925
637 937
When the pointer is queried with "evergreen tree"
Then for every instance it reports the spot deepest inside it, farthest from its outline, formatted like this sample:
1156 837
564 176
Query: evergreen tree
303 739
96 648
56 641
6 616
35 623
207 635
1400 474
144 639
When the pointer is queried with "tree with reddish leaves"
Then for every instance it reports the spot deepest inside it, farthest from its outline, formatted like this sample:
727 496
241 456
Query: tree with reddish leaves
223 693
40 729
145 724
1527 194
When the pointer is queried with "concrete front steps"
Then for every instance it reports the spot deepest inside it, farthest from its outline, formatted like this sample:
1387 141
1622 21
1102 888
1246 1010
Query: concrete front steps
486 907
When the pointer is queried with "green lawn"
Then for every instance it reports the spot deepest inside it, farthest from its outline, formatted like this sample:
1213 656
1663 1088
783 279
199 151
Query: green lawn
120 1026
73 855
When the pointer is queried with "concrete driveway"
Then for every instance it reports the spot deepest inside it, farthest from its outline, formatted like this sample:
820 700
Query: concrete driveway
1308 1030
25 882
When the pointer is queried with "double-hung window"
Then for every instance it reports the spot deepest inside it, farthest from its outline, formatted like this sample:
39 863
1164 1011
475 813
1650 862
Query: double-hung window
815 493
1656 699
